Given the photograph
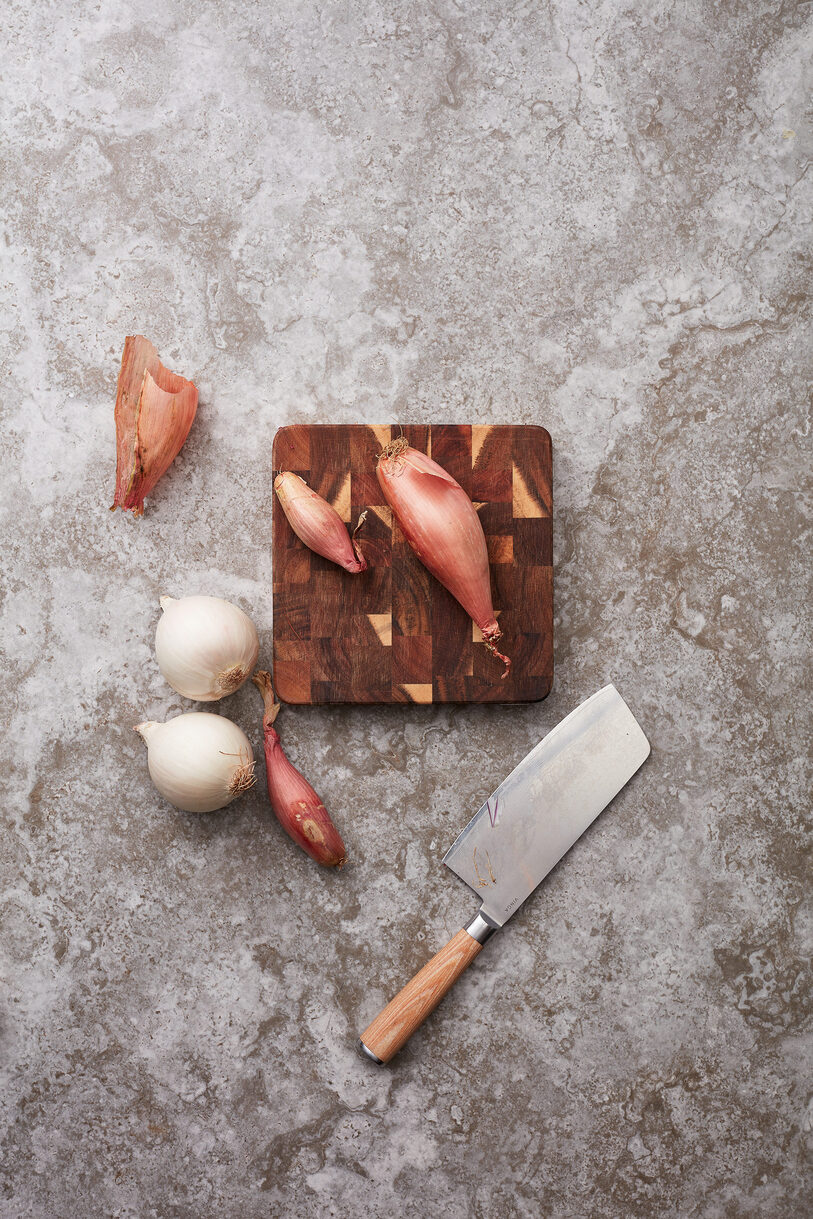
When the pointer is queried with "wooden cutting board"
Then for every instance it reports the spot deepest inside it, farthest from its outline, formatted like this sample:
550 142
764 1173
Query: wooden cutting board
393 634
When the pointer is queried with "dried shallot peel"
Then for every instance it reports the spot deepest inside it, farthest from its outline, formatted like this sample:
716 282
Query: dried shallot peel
298 809
317 523
154 412
441 525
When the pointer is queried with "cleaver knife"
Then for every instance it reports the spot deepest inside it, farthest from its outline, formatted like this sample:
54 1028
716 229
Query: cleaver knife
517 837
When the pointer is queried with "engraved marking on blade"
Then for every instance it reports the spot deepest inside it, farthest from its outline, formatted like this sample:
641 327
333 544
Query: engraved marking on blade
482 883
493 816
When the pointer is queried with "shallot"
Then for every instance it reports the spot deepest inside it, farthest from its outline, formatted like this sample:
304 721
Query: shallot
441 524
298 809
317 523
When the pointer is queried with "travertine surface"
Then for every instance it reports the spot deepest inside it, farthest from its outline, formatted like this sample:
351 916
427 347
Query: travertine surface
587 215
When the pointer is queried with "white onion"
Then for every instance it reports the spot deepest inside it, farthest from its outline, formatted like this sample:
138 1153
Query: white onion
206 647
198 761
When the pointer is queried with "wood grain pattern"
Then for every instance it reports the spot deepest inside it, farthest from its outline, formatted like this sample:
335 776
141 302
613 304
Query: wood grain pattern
393 633
394 1026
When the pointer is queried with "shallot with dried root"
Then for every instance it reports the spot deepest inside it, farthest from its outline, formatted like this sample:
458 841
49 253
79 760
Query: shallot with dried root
441 524
154 412
317 523
298 809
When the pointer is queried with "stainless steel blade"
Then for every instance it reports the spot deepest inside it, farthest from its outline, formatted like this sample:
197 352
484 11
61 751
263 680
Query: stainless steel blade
547 802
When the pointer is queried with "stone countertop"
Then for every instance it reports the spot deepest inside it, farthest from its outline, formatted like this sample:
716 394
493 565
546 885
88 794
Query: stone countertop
589 216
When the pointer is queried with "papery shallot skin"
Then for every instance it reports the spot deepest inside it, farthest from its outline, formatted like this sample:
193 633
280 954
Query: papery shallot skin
317 523
298 808
154 412
441 524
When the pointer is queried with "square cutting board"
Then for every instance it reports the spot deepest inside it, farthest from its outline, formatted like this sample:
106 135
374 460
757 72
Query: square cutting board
393 634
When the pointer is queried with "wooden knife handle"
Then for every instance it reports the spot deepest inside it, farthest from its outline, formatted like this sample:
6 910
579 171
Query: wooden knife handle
394 1026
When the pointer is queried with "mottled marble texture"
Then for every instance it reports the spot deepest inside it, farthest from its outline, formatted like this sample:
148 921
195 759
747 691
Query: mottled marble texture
592 216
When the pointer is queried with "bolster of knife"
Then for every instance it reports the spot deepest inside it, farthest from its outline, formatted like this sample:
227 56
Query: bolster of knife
394 1026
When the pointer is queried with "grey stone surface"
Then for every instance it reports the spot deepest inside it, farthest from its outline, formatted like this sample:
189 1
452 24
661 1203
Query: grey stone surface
589 215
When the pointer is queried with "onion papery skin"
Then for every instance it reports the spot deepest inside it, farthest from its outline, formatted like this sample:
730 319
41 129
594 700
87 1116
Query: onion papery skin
153 414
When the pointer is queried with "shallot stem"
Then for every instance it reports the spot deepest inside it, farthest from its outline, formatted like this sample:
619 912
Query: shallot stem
262 681
359 555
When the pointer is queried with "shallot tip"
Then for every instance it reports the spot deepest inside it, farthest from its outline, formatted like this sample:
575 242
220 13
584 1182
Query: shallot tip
262 680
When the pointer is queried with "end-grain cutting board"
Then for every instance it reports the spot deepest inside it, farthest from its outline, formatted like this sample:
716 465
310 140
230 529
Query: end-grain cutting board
393 634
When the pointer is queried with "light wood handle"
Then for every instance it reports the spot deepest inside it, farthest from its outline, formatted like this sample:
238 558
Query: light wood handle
394 1026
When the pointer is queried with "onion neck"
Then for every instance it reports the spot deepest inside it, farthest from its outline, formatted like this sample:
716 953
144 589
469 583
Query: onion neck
146 730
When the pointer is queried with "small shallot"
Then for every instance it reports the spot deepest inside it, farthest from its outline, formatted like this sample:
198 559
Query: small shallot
299 810
441 524
198 761
154 412
317 523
